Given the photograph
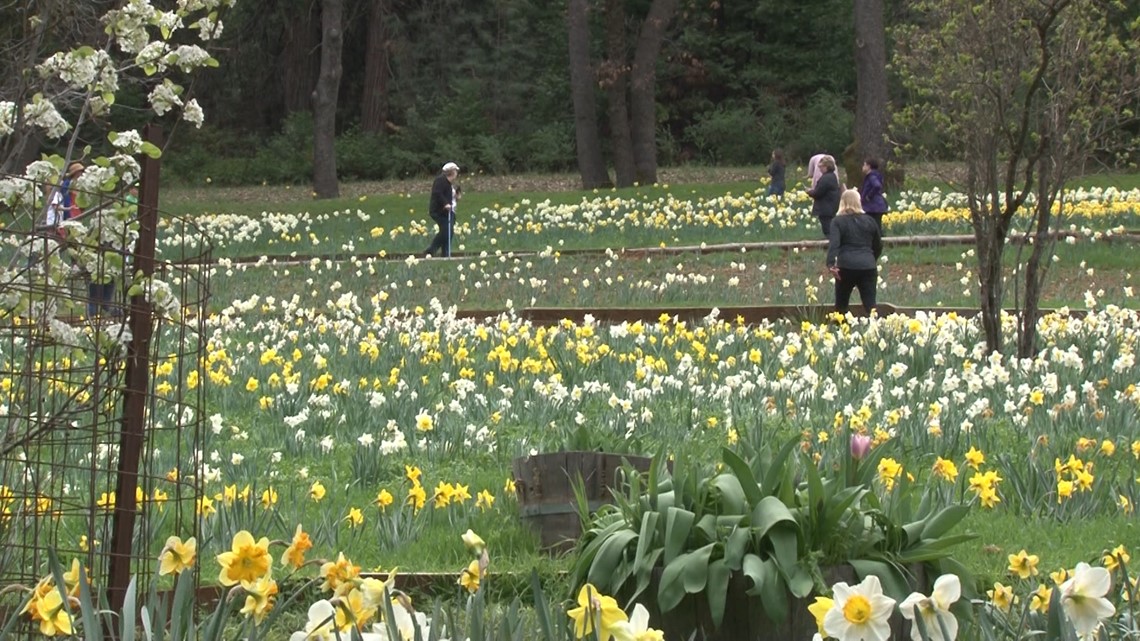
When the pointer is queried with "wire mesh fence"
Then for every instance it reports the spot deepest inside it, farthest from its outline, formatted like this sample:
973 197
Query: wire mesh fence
73 305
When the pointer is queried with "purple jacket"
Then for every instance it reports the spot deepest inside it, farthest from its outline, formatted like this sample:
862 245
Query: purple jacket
871 193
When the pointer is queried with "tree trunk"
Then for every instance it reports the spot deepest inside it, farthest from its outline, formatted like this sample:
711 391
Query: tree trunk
324 100
615 80
1037 266
643 89
871 81
582 78
299 63
374 101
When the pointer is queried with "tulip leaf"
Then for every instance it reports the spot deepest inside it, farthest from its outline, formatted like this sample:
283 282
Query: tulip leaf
717 589
729 493
772 593
800 583
946 519
608 557
735 547
678 523
894 583
778 465
743 474
706 525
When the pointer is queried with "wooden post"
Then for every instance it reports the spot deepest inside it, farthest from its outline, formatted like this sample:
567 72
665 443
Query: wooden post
137 384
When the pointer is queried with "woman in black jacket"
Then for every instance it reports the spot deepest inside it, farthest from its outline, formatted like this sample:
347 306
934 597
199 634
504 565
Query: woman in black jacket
826 195
853 253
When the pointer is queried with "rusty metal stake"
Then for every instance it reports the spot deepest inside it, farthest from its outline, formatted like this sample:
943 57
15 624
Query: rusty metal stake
137 387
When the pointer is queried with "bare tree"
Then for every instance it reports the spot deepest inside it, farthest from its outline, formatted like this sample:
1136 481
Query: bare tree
374 99
643 88
582 83
1025 91
614 78
871 115
325 100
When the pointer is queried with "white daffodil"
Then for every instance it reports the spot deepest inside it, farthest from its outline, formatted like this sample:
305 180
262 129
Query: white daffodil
1082 596
322 620
637 627
934 610
860 613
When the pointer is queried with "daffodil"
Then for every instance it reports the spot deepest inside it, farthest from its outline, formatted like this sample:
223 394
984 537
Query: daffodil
473 541
321 623
317 491
53 615
595 608
260 596
247 560
934 610
1002 597
1023 565
1117 557
1082 597
337 573
1039 600
819 609
637 628
470 577
859 612
177 555
294 555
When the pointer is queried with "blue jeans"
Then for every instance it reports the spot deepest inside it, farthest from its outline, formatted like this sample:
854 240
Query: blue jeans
100 298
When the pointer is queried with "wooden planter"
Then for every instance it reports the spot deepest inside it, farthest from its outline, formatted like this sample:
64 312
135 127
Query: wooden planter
744 616
544 484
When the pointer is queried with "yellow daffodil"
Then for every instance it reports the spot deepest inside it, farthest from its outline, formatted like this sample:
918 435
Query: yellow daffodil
260 596
473 542
53 615
247 560
1002 597
484 500
177 555
470 576
383 499
317 491
1023 565
595 608
294 555
337 573
1117 557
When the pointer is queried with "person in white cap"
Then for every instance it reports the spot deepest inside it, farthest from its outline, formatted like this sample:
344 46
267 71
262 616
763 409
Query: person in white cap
441 209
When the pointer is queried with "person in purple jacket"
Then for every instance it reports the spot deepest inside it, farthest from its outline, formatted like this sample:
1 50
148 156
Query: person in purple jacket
871 194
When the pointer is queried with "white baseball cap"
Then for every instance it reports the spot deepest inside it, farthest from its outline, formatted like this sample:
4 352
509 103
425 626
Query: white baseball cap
450 167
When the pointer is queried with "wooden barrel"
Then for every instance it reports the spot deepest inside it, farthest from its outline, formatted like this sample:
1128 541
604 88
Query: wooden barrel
544 484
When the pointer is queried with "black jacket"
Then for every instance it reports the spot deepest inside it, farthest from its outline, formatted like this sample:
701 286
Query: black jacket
826 196
440 203
855 242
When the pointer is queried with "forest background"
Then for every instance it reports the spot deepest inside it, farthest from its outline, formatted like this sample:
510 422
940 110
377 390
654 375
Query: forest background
487 84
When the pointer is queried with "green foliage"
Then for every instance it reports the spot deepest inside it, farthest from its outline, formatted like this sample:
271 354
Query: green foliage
769 516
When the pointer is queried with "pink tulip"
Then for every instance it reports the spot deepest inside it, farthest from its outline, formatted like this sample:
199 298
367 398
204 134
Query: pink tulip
860 445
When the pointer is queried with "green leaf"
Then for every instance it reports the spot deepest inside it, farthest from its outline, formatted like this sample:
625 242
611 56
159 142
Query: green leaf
944 521
127 624
894 583
800 582
678 523
151 150
695 572
211 62
772 593
609 555
108 98
743 472
776 469
769 513
753 567
717 590
735 547
729 494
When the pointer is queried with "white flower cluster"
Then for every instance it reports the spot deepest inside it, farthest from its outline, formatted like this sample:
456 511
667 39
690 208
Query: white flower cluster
43 114
7 117
82 69
188 57
164 97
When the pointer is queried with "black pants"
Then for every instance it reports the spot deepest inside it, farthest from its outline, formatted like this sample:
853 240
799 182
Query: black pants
878 218
442 240
825 225
849 279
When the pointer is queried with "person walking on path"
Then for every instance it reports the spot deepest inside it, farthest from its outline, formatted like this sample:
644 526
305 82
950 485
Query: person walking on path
777 171
441 209
853 251
825 193
871 192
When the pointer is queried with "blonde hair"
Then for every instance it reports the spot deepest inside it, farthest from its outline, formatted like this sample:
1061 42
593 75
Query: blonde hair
850 203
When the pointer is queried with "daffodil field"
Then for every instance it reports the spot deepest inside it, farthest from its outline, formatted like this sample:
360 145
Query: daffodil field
354 411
